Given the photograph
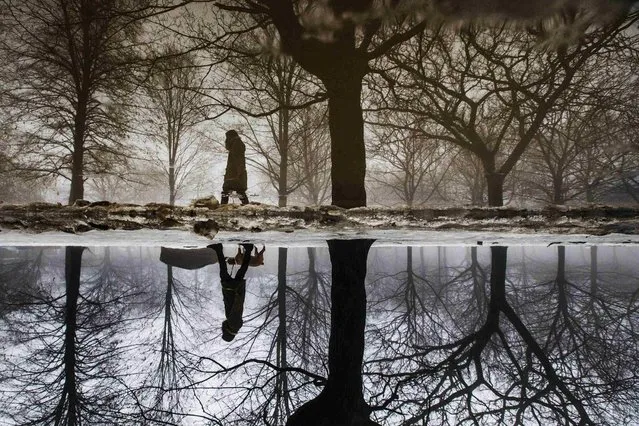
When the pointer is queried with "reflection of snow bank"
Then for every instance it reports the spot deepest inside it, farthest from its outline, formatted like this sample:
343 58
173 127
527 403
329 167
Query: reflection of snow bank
299 238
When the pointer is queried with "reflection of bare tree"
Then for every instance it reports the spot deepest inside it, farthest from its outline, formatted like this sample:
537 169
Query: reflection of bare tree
272 382
275 384
585 323
448 342
310 307
512 368
412 292
19 270
62 368
165 381
182 322
341 402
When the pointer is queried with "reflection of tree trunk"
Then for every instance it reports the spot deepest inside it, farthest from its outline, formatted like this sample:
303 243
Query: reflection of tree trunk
281 385
560 280
341 402
497 302
308 319
166 369
478 283
594 287
411 292
593 273
70 397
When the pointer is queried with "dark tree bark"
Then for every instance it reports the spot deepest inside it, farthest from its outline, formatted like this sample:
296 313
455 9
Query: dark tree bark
282 405
284 117
341 402
495 185
348 153
172 183
76 191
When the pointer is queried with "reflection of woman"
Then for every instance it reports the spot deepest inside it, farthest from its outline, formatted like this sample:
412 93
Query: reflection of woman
233 291
233 288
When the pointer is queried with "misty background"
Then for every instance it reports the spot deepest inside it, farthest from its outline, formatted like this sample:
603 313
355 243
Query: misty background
462 103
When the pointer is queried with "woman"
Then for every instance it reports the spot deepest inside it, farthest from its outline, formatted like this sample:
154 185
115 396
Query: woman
235 175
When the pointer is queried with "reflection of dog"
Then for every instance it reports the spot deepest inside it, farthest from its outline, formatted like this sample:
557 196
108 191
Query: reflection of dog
257 259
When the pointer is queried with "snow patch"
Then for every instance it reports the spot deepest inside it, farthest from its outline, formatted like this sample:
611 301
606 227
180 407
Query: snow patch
306 238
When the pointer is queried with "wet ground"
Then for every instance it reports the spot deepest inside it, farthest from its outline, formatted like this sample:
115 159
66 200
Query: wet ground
354 331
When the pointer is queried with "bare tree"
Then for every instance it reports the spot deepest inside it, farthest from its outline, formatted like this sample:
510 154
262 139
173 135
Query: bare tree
335 41
574 156
582 150
340 64
311 158
412 166
174 90
270 92
70 71
490 90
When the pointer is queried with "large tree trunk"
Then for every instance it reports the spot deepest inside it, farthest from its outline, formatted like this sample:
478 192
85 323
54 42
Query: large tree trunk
495 185
341 402
348 153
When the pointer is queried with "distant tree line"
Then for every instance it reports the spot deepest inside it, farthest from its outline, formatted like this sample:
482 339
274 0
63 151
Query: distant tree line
344 104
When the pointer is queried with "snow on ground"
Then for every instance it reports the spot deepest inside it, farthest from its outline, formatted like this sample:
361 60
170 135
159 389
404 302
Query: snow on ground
305 238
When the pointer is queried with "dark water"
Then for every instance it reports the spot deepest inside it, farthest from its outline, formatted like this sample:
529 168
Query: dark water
343 334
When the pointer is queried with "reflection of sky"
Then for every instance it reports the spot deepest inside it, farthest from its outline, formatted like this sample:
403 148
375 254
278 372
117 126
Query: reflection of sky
138 280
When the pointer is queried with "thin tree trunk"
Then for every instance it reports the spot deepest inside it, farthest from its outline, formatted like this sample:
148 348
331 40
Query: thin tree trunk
557 186
172 183
590 196
284 142
76 191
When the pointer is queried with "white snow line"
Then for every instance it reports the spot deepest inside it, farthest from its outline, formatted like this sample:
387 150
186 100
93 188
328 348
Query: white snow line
306 238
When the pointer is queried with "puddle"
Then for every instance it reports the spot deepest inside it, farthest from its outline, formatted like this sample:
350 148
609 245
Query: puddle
343 332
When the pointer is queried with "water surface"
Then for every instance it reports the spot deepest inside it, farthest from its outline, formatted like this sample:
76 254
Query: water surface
344 333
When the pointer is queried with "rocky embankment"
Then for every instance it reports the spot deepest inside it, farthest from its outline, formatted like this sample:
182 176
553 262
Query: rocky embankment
208 217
